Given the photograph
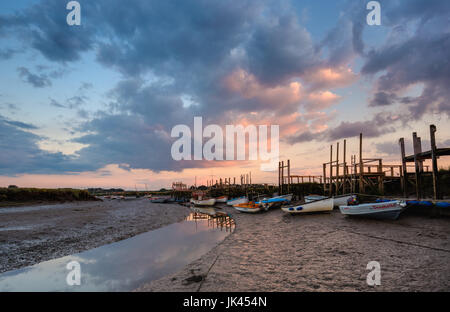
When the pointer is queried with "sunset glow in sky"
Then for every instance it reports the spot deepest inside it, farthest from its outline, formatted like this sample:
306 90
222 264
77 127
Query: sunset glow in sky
93 105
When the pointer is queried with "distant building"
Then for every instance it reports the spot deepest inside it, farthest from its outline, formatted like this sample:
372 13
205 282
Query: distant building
179 186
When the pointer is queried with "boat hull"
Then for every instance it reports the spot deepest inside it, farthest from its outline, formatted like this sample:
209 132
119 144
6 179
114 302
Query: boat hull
204 202
341 200
385 210
222 199
315 206
237 201
248 209
311 198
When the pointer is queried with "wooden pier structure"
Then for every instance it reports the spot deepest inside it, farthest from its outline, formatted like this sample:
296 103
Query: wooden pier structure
419 169
370 175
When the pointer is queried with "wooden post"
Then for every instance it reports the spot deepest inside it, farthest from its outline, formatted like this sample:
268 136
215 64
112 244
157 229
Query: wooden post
404 168
419 148
361 168
436 194
416 164
289 175
345 168
380 177
337 168
330 190
282 177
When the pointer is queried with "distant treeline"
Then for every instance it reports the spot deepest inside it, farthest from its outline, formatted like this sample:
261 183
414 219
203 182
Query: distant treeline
24 195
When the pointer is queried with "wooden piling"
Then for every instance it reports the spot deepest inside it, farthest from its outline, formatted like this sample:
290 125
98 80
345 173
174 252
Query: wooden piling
436 194
416 164
404 168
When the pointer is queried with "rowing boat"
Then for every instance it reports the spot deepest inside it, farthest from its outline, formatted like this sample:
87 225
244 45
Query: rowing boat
315 206
311 198
222 199
249 207
238 200
204 202
383 210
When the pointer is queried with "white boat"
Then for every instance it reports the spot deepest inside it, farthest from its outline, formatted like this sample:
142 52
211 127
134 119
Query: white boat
222 199
311 198
341 200
208 210
204 202
315 206
383 210
238 200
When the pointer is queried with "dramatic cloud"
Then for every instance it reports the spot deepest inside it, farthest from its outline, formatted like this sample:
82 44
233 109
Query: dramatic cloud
417 57
252 61
20 152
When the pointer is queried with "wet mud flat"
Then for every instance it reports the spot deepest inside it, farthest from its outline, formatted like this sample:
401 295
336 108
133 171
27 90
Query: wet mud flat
32 234
274 251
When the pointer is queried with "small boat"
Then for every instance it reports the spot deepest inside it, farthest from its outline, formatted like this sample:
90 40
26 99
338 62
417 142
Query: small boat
315 206
158 200
287 197
250 207
274 202
222 199
238 200
311 198
204 202
383 210
205 210
341 200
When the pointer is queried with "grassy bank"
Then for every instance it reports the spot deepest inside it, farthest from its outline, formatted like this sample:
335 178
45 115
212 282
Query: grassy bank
22 196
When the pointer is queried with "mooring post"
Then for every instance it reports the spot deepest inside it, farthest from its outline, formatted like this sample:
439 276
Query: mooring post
324 178
289 175
345 168
361 166
337 168
282 177
404 169
331 171
416 164
436 194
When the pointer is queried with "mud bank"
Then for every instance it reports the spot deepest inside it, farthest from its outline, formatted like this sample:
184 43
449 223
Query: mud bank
32 234
274 251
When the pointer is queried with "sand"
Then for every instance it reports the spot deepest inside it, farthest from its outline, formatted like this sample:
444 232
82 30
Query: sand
274 251
32 234
271 251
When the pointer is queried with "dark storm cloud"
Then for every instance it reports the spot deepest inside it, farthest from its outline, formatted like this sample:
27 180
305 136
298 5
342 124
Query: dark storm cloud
281 50
20 152
189 47
413 58
381 123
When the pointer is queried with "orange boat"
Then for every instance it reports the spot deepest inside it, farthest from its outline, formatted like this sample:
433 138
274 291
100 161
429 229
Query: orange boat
250 207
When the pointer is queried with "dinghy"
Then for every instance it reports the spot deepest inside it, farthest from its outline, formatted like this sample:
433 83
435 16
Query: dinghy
236 201
341 200
159 200
287 197
311 198
204 202
250 207
315 206
222 199
274 202
383 210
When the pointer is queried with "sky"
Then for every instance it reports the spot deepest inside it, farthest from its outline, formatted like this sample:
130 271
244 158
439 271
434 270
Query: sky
94 105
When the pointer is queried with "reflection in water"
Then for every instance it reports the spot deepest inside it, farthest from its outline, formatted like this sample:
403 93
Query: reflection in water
216 219
127 264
